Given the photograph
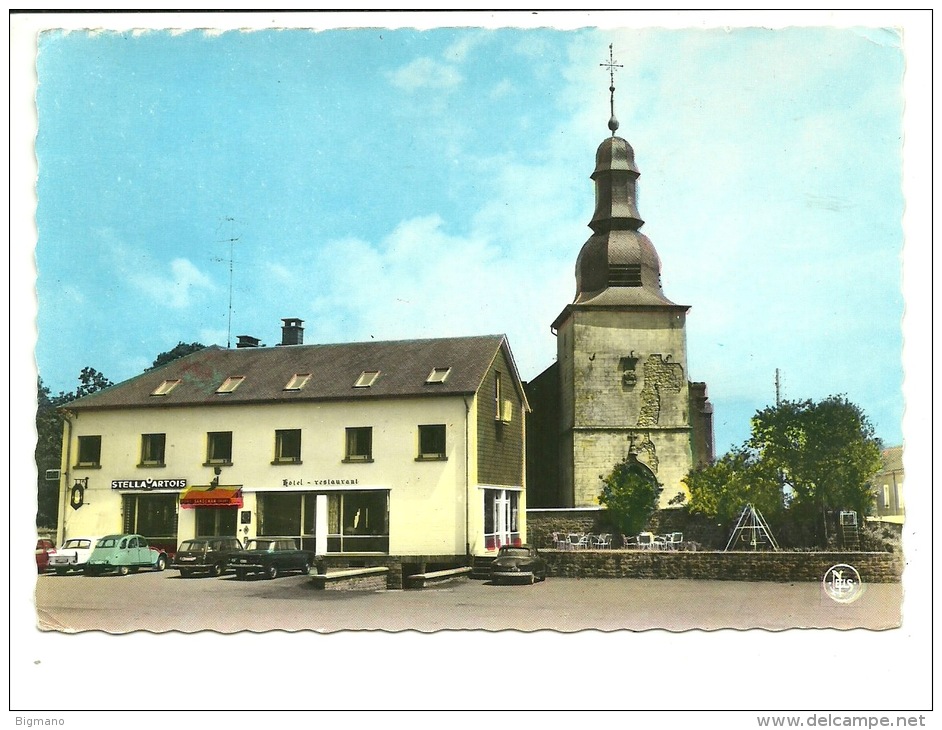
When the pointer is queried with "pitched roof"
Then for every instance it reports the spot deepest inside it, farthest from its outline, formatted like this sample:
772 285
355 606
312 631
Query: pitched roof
892 459
404 367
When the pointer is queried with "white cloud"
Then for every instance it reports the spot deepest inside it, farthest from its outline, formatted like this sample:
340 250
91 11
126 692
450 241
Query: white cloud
425 73
175 288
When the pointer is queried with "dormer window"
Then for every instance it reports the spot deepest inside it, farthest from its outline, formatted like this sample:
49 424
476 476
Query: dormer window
438 375
624 274
165 387
230 384
366 379
298 381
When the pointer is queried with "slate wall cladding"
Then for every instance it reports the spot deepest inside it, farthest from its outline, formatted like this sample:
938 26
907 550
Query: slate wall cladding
779 567
500 445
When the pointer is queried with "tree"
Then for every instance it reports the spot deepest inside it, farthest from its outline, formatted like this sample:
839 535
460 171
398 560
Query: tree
630 494
722 489
803 460
179 351
826 452
91 381
48 452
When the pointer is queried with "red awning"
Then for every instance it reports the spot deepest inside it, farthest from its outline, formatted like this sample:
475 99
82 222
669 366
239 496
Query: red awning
211 497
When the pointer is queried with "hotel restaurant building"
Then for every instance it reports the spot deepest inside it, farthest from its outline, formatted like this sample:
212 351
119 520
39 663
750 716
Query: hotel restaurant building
406 453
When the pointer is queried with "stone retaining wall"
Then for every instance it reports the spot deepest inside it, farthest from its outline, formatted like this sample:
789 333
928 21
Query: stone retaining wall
746 566
356 579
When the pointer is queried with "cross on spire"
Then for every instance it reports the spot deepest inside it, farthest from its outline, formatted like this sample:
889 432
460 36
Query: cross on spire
611 65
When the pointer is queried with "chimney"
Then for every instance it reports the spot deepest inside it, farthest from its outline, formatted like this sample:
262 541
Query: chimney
292 332
247 341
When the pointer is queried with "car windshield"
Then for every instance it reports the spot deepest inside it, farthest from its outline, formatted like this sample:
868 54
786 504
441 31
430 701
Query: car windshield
107 542
259 544
515 552
77 544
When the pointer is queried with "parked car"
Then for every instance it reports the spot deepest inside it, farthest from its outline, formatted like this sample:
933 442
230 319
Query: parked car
518 563
205 555
124 554
73 554
270 556
44 548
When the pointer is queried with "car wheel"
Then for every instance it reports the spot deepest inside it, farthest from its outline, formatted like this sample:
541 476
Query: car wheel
216 570
123 570
271 571
161 563
306 568
184 573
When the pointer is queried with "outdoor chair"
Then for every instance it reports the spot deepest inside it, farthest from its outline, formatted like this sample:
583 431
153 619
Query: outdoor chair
630 542
560 542
675 540
645 540
601 542
578 542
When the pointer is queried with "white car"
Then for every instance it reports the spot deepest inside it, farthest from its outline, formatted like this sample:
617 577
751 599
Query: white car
72 555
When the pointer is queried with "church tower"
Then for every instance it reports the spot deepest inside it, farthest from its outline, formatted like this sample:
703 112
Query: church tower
620 383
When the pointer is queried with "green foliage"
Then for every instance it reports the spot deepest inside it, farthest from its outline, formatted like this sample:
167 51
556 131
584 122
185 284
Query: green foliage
826 452
736 479
802 460
179 351
630 495
91 381
48 452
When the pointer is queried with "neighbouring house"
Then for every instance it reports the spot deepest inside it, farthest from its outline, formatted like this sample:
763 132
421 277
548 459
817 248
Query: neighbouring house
409 452
889 505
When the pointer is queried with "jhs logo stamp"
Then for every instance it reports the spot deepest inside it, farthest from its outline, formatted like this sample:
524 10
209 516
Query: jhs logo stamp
842 583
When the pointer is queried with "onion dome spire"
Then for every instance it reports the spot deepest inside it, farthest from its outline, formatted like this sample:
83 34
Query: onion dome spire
618 265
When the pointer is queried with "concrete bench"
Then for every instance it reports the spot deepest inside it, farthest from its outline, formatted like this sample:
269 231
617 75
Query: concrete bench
422 580
352 579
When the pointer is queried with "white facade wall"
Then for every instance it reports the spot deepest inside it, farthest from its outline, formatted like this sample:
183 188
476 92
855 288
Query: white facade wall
428 500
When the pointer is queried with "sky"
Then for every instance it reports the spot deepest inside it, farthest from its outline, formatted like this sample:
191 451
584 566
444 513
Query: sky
430 177
392 183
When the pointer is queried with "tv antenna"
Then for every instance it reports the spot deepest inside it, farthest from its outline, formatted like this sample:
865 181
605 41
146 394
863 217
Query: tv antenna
230 241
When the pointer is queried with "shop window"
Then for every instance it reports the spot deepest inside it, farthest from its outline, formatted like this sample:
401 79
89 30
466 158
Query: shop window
279 514
432 442
216 521
288 514
288 446
358 522
152 449
219 447
359 444
152 515
89 451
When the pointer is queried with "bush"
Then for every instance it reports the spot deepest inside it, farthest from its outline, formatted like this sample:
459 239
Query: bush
630 494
